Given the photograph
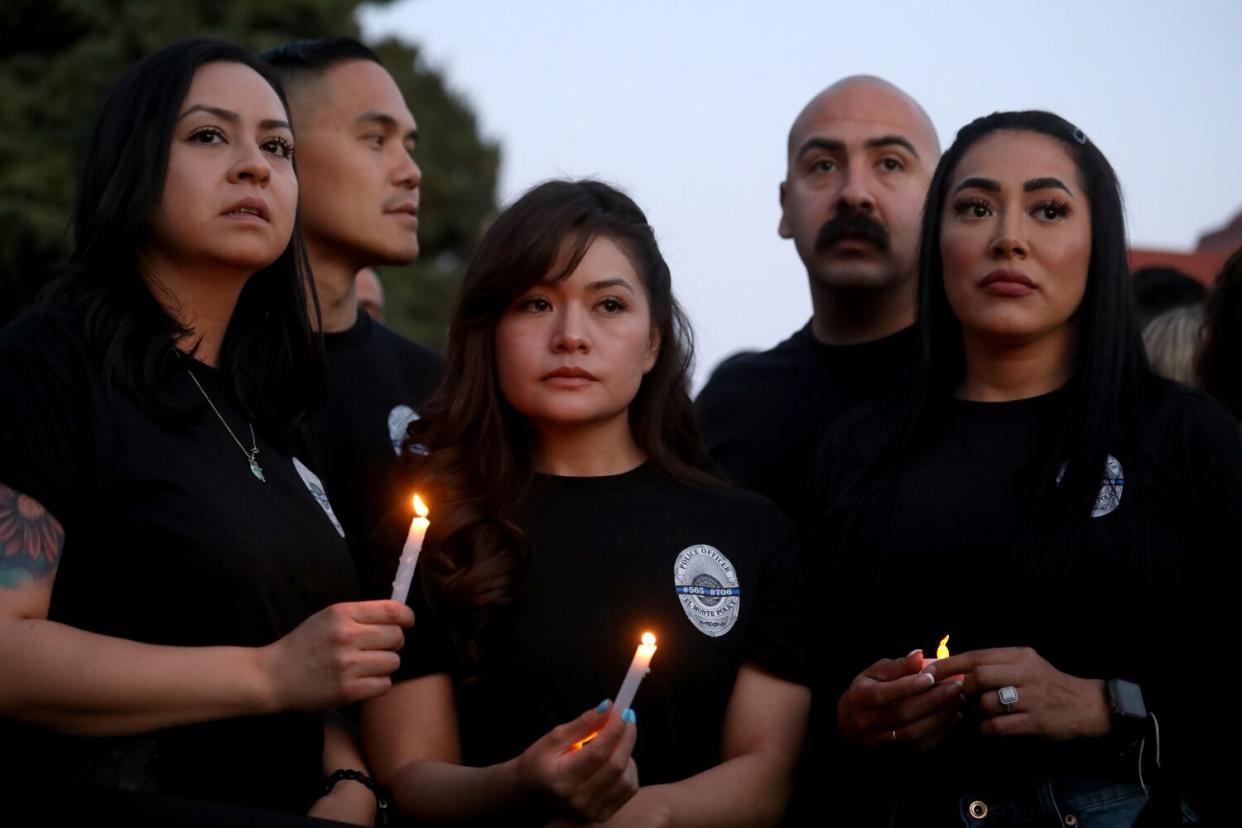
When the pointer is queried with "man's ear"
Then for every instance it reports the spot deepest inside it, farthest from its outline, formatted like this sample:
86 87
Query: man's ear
782 228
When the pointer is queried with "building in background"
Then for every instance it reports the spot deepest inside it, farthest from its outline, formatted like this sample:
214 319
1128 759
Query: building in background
1204 262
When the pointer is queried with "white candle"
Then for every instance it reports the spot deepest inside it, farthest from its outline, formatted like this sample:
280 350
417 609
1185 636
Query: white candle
409 553
639 667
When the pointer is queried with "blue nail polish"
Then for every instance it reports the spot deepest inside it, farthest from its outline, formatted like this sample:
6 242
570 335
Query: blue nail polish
603 706
629 716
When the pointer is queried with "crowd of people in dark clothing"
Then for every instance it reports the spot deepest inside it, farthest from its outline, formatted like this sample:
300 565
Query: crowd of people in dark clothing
960 551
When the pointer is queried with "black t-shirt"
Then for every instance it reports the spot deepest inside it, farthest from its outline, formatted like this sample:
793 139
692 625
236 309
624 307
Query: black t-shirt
609 555
377 379
1141 596
763 415
169 539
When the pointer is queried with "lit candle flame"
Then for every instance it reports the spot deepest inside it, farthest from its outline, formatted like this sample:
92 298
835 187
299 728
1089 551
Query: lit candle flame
420 508
943 650
648 640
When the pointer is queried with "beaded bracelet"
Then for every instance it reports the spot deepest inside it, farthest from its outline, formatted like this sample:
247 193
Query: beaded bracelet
379 791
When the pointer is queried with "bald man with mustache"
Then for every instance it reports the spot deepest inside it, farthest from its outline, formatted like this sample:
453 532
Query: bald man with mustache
860 157
859 160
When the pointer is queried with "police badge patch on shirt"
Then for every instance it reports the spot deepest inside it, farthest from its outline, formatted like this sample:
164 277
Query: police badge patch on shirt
1114 482
1111 487
707 587
313 483
399 420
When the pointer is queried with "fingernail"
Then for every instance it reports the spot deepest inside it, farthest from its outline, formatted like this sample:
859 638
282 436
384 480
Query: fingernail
930 679
603 706
929 669
629 716
958 683
915 650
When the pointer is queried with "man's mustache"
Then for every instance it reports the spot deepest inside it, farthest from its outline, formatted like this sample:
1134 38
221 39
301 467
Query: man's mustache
852 225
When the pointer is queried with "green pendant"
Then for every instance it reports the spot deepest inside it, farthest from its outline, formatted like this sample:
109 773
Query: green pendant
256 470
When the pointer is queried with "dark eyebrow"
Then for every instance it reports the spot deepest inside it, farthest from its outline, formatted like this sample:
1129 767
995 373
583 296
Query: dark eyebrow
829 144
889 141
604 284
233 117
387 122
222 114
1029 187
1044 184
979 184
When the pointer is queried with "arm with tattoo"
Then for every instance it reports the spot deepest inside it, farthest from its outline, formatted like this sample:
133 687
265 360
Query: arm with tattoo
75 681
30 542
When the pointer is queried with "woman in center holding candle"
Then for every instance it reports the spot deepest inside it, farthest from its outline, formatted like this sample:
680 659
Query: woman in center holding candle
571 513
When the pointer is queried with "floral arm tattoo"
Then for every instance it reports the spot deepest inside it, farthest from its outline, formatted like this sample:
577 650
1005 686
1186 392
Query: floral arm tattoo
30 541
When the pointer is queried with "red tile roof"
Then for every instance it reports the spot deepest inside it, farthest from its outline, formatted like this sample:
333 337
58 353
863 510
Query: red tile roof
1201 264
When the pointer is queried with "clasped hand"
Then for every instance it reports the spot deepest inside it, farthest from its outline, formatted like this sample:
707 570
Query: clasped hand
912 703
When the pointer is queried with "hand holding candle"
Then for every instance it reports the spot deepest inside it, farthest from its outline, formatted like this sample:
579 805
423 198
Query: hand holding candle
640 665
409 553
577 767
897 704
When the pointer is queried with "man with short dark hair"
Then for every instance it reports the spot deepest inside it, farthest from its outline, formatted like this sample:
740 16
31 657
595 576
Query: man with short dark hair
860 158
355 139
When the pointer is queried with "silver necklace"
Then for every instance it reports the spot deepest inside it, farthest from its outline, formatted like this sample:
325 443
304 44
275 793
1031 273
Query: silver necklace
252 452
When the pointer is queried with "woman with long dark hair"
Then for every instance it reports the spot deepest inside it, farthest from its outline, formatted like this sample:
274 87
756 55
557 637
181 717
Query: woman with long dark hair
1050 505
571 512
171 576
1218 365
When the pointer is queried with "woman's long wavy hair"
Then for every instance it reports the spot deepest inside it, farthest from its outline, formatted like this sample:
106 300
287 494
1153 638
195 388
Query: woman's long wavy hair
479 469
270 353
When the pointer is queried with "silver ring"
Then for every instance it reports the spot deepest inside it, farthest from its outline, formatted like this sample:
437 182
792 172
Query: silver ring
1008 697
894 733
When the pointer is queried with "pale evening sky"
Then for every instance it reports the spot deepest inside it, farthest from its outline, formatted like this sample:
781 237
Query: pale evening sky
686 106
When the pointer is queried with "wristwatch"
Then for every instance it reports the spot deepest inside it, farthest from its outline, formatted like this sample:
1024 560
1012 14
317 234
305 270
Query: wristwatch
1129 717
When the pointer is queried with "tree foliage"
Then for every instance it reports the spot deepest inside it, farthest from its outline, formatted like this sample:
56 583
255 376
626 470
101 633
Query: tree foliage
59 57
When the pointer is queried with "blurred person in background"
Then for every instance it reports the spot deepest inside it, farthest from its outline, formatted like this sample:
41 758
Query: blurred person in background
1160 289
1220 354
1172 341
